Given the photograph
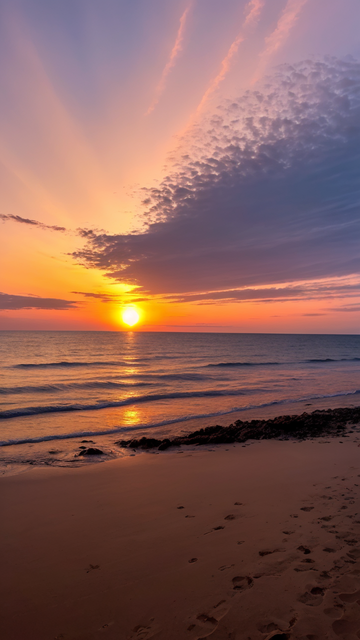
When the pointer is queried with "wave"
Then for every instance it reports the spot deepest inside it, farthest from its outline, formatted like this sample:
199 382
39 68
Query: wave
333 360
216 393
62 408
116 363
243 364
99 384
268 364
163 423
52 388
66 364
96 363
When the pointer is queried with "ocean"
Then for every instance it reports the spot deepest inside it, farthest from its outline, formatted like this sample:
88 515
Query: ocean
57 388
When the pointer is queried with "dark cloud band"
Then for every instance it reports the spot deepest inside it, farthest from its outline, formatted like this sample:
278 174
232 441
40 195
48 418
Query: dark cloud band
10 302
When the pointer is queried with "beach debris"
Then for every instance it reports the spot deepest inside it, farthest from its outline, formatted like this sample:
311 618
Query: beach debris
91 451
307 425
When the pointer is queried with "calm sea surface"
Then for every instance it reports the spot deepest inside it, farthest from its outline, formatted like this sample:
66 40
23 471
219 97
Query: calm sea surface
57 388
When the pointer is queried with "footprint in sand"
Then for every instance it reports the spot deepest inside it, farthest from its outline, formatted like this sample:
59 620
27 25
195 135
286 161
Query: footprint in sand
241 583
278 636
306 509
354 554
304 550
350 597
267 552
226 566
207 622
141 632
313 597
272 628
347 627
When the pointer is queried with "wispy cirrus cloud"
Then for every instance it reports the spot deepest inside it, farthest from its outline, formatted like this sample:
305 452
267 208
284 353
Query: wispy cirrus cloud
83 232
318 290
175 52
278 37
10 302
252 12
29 221
269 186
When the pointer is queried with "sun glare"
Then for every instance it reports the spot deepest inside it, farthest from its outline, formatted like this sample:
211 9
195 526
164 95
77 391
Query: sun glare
130 316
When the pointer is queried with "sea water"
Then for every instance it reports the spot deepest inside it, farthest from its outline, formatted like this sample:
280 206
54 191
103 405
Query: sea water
57 388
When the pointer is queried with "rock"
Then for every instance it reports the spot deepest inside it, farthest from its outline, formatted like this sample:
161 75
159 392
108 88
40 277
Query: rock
307 425
91 451
164 445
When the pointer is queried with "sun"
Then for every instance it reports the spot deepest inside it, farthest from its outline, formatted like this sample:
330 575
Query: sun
130 316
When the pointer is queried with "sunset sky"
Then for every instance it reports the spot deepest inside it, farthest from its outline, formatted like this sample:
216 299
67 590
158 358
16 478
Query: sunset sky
198 160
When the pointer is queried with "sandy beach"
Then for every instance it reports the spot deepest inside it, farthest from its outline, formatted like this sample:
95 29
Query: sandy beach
240 542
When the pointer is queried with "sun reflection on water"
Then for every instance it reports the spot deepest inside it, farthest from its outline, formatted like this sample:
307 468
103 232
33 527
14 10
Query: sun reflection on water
131 417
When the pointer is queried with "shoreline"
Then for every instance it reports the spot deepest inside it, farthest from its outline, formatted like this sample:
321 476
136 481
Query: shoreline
325 422
267 423
234 541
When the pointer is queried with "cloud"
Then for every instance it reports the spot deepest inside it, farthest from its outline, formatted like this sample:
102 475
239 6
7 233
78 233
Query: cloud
29 221
10 302
252 12
285 24
350 308
82 232
267 193
175 52
305 291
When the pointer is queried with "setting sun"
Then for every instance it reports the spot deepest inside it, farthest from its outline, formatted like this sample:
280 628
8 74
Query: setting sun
130 316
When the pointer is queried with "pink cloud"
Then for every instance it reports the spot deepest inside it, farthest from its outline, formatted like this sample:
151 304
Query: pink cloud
175 52
280 34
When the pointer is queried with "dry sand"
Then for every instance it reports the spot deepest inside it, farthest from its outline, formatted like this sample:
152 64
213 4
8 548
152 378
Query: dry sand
242 542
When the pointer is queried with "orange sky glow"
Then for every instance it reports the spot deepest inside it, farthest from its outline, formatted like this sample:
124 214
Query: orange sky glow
141 164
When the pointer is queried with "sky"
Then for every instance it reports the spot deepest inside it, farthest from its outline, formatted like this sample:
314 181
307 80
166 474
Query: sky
197 161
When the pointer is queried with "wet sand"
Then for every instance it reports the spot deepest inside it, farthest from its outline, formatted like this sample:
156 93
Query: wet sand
236 542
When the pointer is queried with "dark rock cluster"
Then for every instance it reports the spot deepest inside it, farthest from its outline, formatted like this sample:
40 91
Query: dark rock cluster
91 451
307 425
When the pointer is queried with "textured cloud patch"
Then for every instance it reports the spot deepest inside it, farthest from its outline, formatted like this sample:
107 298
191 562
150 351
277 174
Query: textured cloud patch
10 302
265 192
